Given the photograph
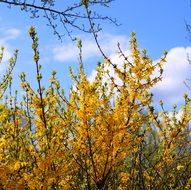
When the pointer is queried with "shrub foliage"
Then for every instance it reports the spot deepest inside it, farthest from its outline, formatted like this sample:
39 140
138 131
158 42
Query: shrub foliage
105 135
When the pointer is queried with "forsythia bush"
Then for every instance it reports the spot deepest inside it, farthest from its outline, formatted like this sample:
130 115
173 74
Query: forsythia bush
105 135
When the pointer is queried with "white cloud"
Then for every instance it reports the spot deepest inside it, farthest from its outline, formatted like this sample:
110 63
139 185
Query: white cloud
108 42
5 36
172 88
6 56
9 34
12 33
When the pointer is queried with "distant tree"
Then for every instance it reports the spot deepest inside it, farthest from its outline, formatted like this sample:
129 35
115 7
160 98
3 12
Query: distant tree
73 15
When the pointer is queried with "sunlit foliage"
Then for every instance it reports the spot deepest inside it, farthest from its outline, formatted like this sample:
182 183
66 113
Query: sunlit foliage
105 135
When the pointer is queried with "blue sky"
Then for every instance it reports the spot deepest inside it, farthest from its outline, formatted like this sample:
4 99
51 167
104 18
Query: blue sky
159 25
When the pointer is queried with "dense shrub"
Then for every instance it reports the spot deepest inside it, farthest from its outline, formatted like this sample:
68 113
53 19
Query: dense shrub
106 135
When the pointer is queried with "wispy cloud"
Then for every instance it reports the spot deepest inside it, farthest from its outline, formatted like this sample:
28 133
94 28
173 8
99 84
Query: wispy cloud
5 37
108 42
8 34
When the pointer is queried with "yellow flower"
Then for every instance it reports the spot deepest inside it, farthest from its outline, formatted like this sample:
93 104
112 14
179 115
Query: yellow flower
17 165
180 167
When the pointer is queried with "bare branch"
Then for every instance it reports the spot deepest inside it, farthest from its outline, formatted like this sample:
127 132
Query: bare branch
72 16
